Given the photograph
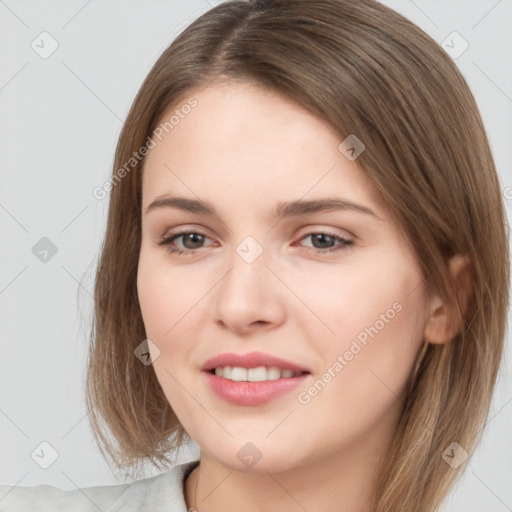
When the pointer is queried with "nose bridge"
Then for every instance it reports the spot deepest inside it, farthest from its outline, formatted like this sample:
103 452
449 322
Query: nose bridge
244 296
250 250
247 265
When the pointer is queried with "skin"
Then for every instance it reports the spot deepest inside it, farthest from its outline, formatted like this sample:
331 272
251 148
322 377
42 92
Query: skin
244 150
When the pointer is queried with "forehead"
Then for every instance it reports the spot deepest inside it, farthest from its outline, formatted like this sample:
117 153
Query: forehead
251 141
239 117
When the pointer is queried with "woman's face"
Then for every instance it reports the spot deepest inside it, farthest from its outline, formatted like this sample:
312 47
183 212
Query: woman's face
335 292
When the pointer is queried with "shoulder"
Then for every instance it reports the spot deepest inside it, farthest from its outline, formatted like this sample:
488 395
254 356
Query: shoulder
162 492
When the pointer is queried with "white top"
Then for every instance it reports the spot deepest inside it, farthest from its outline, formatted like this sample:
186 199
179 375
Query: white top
161 493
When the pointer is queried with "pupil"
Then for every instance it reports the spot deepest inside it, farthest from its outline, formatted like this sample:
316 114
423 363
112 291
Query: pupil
190 237
323 236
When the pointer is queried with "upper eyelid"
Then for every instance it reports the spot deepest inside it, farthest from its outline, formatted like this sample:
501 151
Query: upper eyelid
315 220
313 226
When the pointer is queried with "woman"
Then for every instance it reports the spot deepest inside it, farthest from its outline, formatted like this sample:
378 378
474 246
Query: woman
351 376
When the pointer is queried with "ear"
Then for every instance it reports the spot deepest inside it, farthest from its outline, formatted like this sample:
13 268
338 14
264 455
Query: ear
442 325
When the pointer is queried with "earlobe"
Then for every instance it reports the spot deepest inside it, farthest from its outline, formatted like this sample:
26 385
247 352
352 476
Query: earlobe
442 324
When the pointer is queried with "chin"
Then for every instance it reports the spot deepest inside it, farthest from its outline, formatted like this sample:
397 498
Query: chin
253 457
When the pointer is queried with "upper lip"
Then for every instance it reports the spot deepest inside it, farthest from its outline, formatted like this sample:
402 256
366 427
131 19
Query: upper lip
251 360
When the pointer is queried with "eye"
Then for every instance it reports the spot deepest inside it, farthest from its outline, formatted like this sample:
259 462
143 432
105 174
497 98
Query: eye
192 241
323 238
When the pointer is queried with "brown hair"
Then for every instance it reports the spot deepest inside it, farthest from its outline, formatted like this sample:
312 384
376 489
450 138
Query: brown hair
367 71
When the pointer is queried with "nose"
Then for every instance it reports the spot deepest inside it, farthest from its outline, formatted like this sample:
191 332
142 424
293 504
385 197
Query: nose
249 297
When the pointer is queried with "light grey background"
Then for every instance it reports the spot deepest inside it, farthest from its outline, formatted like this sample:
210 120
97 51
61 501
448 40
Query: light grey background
60 120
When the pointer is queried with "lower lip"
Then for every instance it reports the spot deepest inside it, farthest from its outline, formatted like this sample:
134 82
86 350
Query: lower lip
251 393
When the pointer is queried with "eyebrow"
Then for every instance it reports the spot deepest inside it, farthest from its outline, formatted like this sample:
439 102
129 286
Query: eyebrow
282 210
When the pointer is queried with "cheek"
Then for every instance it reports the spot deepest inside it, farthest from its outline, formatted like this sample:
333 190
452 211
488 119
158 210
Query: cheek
371 316
156 302
166 297
343 302
167 305
378 320
367 362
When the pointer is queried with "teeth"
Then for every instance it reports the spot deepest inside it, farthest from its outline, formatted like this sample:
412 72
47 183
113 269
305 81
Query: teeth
261 373
238 374
257 374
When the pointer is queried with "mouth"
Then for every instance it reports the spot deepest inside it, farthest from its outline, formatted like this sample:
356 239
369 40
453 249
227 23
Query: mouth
252 379
257 374
261 366
252 393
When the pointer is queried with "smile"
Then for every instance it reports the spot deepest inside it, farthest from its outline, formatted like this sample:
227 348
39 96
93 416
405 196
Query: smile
252 393
258 374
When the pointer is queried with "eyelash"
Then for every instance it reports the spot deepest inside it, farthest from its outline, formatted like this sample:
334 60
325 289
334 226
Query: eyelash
167 241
